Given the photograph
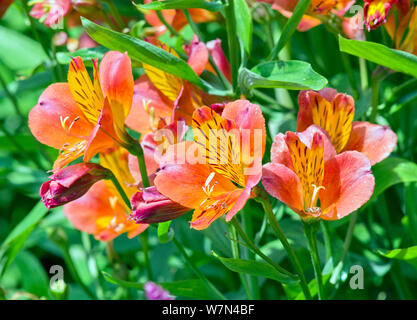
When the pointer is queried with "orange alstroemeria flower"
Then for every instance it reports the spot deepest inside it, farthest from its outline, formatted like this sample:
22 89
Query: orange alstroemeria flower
307 175
82 117
215 173
177 19
404 29
376 11
101 211
317 8
161 98
334 112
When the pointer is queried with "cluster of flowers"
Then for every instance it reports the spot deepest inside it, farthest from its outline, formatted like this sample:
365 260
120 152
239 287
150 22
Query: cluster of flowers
321 171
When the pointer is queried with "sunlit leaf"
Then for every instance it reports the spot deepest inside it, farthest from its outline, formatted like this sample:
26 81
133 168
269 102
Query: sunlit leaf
181 4
394 59
291 75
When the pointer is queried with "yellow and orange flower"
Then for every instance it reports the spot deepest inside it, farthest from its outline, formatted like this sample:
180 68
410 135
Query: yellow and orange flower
308 175
101 211
161 98
214 174
84 117
404 29
334 112
177 19
317 8
376 12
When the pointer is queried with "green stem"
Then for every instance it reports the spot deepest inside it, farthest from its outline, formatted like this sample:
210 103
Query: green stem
364 74
350 74
236 255
166 24
375 97
255 249
197 272
264 200
136 149
145 247
120 190
327 240
233 45
310 230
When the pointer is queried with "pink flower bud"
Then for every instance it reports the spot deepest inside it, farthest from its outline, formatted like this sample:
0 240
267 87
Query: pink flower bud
155 292
150 206
71 183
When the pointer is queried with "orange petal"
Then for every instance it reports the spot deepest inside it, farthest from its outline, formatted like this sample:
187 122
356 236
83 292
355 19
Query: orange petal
87 94
374 141
348 183
116 81
282 183
53 116
183 181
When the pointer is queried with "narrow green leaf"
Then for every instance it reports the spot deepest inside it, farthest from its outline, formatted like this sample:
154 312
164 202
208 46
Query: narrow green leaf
191 288
255 268
181 4
394 59
145 52
291 75
400 254
392 171
290 27
165 233
244 25
18 236
86 54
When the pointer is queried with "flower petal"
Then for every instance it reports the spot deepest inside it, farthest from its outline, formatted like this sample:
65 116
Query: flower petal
53 116
348 184
282 183
116 81
374 141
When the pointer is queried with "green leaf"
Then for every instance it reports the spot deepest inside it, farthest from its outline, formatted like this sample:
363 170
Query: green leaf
192 288
290 27
392 171
18 236
181 4
165 233
255 268
86 54
18 51
291 75
400 254
394 59
244 25
145 52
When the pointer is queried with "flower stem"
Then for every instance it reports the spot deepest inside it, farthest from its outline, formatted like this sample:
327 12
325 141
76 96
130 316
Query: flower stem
310 230
145 247
197 272
264 200
120 190
166 24
233 45
253 247
236 255
136 149
375 98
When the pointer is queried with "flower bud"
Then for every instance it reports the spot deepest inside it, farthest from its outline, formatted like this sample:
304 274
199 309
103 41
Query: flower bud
71 183
150 206
155 292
